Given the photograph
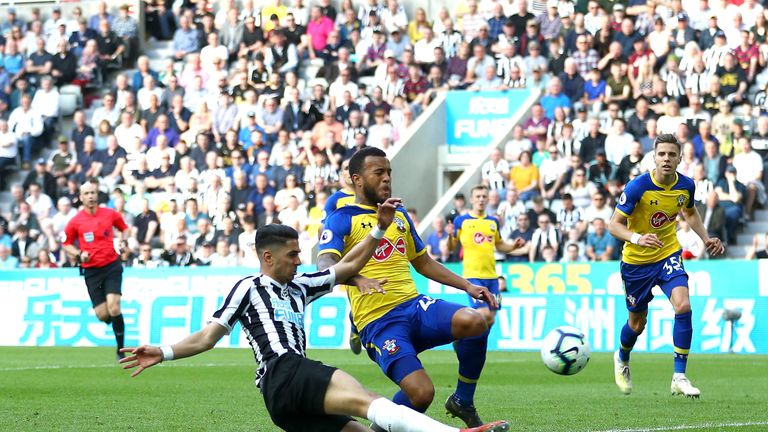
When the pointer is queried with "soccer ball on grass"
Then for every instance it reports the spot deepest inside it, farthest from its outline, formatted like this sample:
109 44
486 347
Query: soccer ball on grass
565 350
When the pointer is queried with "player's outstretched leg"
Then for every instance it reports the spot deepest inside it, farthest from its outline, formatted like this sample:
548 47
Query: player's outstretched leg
346 396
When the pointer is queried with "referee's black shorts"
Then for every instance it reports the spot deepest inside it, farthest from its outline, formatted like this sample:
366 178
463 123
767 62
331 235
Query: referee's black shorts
104 280
294 390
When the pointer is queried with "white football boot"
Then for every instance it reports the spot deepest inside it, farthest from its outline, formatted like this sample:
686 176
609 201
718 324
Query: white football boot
682 386
622 375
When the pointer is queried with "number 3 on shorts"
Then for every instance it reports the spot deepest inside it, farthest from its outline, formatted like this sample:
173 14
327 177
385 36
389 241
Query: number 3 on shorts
425 302
672 264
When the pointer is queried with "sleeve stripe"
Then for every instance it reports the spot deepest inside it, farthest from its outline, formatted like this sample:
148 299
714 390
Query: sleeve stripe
621 213
325 251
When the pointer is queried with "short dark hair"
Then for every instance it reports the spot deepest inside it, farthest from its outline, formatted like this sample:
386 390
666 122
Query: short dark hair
358 159
667 139
274 235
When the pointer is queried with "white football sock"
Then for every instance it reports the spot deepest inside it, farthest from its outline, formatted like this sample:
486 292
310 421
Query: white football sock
397 418
677 375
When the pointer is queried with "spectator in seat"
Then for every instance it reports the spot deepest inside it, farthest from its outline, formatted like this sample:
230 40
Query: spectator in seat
731 194
600 243
63 65
27 124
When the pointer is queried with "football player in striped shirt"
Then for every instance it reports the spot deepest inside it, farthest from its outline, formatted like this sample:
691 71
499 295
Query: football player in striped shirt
300 394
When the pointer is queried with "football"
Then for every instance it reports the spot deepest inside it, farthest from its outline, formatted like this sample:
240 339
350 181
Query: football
565 350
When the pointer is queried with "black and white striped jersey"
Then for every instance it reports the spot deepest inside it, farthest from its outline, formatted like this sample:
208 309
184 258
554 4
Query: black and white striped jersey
271 314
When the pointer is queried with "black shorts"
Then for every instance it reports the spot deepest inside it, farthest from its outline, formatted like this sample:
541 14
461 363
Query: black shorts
294 392
104 280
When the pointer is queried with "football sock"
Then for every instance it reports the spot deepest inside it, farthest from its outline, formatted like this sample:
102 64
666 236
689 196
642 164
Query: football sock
681 337
398 418
471 354
118 326
628 339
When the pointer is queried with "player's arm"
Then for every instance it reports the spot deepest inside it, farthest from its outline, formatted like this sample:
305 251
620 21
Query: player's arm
619 230
432 269
355 259
508 247
147 356
714 245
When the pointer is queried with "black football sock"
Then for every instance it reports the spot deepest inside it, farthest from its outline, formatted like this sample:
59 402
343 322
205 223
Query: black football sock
118 325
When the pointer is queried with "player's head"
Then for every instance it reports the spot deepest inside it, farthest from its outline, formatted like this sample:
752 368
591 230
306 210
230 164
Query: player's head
479 198
278 250
371 175
667 153
89 193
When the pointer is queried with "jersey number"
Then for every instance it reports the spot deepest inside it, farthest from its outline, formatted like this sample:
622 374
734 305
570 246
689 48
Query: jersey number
672 264
425 302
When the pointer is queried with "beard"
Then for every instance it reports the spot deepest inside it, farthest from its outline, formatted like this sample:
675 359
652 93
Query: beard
371 195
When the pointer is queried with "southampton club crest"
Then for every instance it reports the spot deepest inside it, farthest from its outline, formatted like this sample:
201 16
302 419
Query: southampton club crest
680 200
390 346
400 224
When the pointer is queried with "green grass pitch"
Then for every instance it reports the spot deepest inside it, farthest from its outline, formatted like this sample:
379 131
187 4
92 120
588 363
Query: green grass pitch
60 389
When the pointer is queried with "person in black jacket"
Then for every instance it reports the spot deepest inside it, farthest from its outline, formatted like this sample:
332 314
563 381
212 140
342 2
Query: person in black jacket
63 65
179 256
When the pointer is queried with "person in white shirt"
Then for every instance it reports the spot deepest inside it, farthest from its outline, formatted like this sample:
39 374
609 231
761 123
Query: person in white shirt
213 51
8 148
342 84
618 142
690 242
128 130
27 124
517 145
40 203
424 49
149 88
52 24
551 174
749 172
394 17
597 210
223 257
294 215
108 111
46 102
64 214
55 37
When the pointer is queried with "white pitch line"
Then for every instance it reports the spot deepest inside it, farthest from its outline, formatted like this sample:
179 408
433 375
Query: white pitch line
688 427
104 366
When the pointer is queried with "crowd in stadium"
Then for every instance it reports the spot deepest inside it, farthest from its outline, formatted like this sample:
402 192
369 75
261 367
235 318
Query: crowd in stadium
231 134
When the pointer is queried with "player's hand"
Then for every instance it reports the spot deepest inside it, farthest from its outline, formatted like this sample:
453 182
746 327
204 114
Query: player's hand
482 293
386 212
714 246
651 241
142 357
370 286
85 256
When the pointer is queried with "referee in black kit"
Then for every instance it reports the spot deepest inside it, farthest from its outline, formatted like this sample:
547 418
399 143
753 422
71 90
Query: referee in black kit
300 394
93 230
